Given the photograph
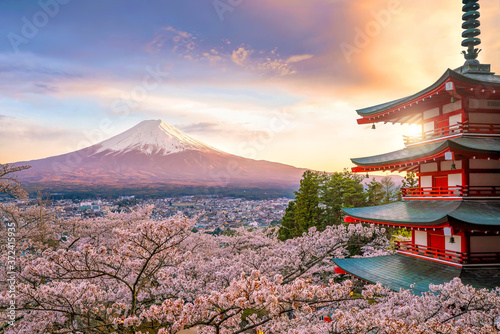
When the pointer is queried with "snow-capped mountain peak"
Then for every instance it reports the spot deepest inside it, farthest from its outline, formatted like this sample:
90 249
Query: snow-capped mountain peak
151 137
155 157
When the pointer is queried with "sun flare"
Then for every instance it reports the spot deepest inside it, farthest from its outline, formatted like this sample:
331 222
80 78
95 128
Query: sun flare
414 130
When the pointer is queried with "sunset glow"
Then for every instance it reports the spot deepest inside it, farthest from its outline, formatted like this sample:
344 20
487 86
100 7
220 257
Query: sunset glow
278 80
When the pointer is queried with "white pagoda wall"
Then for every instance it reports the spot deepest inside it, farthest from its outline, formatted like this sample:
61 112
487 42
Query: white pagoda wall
426 181
430 167
420 238
454 180
453 123
430 113
447 108
456 246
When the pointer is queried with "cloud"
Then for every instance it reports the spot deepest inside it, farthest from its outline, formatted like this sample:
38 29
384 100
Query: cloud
203 127
24 73
214 132
275 66
221 54
220 129
169 38
22 140
299 58
219 85
269 63
240 56
46 88
213 56
36 132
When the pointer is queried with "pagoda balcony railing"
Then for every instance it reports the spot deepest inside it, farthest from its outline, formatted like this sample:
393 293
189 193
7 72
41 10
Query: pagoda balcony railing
448 255
457 191
486 257
465 127
431 252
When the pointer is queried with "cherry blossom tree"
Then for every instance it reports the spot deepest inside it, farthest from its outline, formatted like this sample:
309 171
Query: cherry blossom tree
88 283
112 269
128 273
8 182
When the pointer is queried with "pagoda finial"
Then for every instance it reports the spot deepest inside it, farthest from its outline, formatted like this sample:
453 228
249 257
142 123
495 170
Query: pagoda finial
470 16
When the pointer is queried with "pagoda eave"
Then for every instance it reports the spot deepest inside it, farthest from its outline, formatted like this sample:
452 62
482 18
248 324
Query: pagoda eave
399 271
354 220
471 215
408 159
409 109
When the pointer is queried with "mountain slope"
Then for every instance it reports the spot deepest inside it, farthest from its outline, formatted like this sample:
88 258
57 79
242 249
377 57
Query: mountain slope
152 137
154 154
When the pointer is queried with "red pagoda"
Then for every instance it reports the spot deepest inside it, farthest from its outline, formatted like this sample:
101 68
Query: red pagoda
454 214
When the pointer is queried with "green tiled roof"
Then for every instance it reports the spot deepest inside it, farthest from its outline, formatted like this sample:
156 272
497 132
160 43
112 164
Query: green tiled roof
431 212
479 145
478 79
404 155
483 212
400 271
406 212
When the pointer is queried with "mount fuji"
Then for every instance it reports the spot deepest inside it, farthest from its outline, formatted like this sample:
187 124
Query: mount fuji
154 157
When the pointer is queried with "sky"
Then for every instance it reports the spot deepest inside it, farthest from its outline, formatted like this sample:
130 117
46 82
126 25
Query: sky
276 80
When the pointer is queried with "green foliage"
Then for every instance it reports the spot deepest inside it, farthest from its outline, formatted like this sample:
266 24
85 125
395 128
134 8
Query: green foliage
389 190
304 211
321 197
230 232
410 180
288 227
340 190
402 232
307 210
275 222
375 193
382 192
319 201
217 231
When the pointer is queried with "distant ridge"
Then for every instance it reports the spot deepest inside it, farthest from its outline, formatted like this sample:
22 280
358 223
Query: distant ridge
397 179
150 156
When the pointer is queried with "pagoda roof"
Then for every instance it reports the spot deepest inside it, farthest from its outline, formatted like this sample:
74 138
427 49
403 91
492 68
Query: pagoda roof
435 92
420 153
400 272
431 213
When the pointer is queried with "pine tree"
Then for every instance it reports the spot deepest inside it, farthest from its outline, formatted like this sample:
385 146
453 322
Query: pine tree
341 190
288 227
305 211
319 202
389 190
375 193
409 181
